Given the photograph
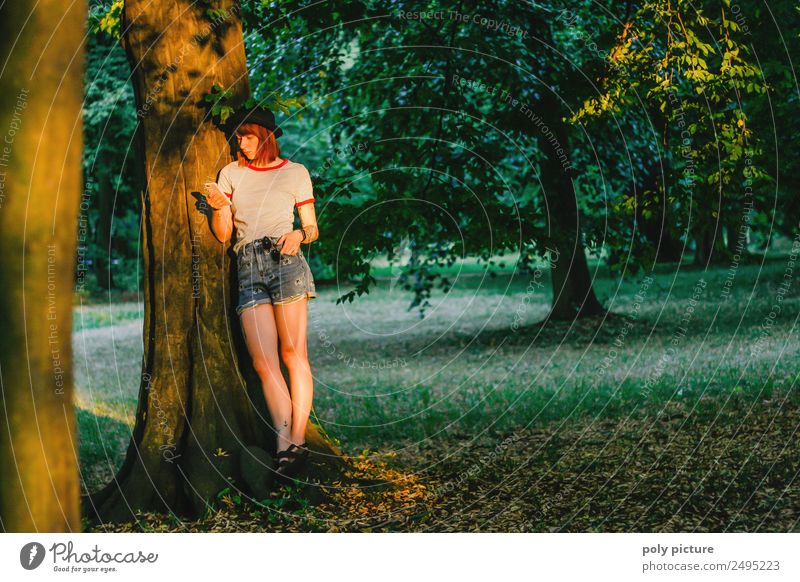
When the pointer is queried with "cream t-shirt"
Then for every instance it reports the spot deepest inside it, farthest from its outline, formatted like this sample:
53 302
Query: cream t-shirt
263 199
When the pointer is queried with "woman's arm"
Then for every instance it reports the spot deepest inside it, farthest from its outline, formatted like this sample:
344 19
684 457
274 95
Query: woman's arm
308 221
222 223
289 243
221 215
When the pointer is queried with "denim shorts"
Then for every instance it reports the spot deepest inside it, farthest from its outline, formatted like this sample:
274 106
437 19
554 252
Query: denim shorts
262 279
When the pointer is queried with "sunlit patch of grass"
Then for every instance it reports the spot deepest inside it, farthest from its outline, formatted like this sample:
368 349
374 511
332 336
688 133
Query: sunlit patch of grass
391 497
92 316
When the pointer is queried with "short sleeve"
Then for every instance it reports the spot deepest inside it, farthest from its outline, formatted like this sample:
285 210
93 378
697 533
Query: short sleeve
225 183
304 190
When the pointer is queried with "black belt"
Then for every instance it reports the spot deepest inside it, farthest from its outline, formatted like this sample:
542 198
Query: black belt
265 242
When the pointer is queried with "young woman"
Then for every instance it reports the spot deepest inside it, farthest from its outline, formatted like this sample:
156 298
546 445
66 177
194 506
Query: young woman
257 194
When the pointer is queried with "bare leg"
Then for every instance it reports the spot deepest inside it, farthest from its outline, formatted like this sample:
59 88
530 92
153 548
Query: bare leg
261 337
292 320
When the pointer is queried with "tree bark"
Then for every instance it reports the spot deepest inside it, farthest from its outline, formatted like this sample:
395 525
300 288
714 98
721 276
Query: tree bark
199 419
40 187
573 294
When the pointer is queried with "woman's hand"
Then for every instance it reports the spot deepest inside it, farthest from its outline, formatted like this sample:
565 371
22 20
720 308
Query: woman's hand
291 242
216 199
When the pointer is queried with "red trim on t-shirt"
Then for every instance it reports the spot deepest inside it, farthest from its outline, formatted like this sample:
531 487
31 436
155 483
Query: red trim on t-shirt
304 202
228 194
257 169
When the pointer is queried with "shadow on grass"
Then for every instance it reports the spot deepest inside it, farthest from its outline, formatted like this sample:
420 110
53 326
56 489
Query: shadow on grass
678 471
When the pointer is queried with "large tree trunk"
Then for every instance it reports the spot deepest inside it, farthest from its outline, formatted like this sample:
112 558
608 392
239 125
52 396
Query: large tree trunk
573 294
40 187
197 415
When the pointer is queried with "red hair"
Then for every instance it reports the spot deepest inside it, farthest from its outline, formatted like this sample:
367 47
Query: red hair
268 148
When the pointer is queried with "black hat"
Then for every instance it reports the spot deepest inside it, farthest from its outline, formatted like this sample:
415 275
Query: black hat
257 114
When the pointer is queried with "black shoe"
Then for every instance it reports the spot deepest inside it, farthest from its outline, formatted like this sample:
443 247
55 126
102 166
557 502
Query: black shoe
290 461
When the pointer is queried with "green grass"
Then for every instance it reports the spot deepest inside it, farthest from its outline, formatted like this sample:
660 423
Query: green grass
102 439
385 378
92 316
467 372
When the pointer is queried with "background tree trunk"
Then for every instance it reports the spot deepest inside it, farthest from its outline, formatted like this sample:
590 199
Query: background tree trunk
102 235
573 294
40 187
656 227
197 415
710 247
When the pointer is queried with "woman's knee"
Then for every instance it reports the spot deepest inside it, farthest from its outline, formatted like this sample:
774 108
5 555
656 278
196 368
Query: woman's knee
266 369
294 355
